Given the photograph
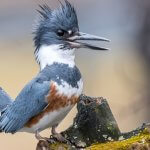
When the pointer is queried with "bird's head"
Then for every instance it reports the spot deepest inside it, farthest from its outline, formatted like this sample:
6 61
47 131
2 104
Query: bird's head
57 35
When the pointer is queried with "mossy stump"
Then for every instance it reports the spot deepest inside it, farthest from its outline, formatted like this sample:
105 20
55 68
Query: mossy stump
141 141
94 122
95 128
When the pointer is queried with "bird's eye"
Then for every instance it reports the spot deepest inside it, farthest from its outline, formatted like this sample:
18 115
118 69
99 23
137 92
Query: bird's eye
60 32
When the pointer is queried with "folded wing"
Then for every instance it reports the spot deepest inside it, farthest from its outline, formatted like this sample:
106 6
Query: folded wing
29 103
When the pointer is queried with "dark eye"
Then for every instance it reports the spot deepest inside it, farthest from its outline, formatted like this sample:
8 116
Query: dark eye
60 32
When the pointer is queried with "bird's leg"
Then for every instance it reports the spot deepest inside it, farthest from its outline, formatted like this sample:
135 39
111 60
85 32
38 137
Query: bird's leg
56 135
39 137
43 142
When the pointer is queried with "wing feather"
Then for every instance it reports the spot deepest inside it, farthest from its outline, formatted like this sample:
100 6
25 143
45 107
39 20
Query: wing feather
28 103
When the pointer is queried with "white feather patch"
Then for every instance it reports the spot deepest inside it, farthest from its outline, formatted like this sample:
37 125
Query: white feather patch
47 55
49 120
67 90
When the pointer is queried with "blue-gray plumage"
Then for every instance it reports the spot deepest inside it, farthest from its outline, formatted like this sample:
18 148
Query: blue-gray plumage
47 99
27 104
4 99
30 100
46 31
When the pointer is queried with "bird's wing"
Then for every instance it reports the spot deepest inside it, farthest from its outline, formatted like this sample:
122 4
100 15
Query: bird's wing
4 99
29 103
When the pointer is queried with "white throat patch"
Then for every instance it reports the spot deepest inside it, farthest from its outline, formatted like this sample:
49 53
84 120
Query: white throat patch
47 55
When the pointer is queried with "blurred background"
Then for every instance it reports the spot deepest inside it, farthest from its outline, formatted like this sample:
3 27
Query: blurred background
122 75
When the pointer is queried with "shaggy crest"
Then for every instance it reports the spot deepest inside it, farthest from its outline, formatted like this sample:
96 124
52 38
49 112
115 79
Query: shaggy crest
50 21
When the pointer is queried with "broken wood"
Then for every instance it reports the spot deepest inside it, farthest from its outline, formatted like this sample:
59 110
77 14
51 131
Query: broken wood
94 123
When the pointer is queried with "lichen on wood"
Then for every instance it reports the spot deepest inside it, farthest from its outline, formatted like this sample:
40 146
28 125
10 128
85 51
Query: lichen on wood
140 141
95 128
94 122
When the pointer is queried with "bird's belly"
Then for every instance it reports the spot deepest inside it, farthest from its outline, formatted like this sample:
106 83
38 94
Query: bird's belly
48 120
60 101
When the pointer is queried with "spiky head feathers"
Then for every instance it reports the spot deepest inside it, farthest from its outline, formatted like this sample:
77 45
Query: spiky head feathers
53 25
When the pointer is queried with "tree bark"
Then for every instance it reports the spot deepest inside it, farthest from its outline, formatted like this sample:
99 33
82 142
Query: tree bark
94 123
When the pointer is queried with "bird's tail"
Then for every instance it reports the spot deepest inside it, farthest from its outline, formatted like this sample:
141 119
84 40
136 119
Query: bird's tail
5 100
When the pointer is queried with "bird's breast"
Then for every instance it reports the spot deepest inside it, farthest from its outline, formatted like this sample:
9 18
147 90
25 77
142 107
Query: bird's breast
61 98
66 89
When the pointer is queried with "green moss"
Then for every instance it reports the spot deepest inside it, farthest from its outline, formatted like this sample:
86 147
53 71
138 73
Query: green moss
142 141
59 146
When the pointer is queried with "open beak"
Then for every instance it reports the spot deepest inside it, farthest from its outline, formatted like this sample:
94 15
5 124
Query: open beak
75 41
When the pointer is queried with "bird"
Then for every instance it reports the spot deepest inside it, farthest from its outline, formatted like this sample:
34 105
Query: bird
46 99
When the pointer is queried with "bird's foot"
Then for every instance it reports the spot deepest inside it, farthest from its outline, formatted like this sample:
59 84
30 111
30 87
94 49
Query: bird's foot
59 138
39 137
51 140
44 142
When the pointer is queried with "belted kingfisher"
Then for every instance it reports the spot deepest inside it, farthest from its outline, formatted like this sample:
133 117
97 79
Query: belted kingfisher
47 99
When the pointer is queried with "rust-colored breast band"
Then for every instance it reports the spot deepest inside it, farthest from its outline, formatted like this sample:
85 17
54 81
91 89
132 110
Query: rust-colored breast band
55 102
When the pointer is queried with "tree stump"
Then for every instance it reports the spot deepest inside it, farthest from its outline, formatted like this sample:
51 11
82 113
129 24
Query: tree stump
95 123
